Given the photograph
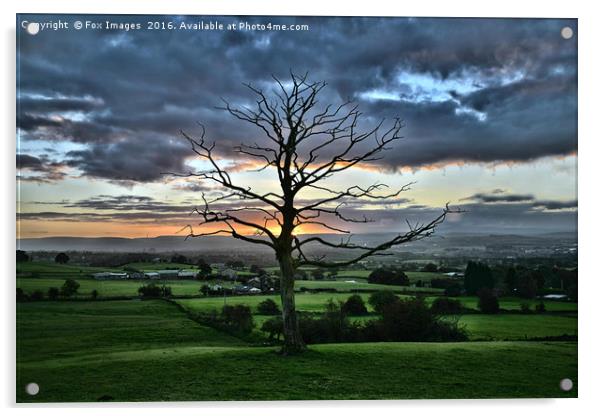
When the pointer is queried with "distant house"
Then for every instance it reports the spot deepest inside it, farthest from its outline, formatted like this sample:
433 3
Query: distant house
455 274
229 274
168 274
110 276
218 266
136 275
152 275
555 297
187 274
254 282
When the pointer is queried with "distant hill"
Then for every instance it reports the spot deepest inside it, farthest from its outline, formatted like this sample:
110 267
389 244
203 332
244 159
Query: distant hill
223 243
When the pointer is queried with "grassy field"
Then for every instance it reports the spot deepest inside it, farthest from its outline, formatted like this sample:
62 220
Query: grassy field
517 327
146 351
107 288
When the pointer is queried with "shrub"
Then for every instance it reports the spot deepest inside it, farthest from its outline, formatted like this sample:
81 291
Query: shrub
37 295
61 258
525 307
477 276
526 286
53 293
540 307
389 277
412 320
488 302
442 283
152 291
444 305
69 288
354 305
453 291
22 256
380 299
238 317
273 327
268 307
204 269
94 294
21 295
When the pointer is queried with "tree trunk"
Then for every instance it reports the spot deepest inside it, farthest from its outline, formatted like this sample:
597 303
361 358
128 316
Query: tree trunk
293 342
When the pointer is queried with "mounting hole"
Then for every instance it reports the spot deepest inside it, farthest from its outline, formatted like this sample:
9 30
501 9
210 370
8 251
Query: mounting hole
566 384
32 389
33 28
566 32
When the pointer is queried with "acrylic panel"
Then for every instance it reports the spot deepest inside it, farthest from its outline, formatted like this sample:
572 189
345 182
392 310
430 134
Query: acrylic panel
237 208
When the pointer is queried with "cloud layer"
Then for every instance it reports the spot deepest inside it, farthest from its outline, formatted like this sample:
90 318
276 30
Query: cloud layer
469 90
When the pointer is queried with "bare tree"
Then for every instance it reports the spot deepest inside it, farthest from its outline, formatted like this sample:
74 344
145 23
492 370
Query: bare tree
306 145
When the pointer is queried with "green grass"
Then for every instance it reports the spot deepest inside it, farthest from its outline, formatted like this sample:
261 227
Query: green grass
345 286
57 330
149 266
150 350
517 327
342 371
108 288
49 269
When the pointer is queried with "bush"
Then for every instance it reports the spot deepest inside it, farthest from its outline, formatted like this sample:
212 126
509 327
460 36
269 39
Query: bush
389 277
525 307
69 288
412 320
442 283
453 291
476 277
402 320
37 295
488 302
444 305
354 305
21 295
526 286
204 269
22 256
238 317
53 293
94 294
380 299
268 307
61 258
153 291
540 307
273 327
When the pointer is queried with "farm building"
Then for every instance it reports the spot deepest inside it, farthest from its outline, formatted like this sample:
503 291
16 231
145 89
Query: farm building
110 276
152 275
229 274
168 274
187 274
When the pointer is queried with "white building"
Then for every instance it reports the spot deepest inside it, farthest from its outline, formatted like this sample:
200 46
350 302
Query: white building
110 276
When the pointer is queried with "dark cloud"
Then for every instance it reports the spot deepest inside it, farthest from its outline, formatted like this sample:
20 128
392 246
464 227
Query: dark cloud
134 159
44 170
481 90
496 217
556 205
499 196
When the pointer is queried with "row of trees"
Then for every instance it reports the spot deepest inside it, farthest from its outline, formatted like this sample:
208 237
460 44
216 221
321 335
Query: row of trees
69 288
518 280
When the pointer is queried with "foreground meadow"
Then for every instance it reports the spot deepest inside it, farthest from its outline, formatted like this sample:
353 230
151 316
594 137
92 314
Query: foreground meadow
135 350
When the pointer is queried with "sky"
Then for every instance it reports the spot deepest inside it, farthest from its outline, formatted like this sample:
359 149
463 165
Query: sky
489 109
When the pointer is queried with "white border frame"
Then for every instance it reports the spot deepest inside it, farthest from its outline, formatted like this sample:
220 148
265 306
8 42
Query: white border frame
589 200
